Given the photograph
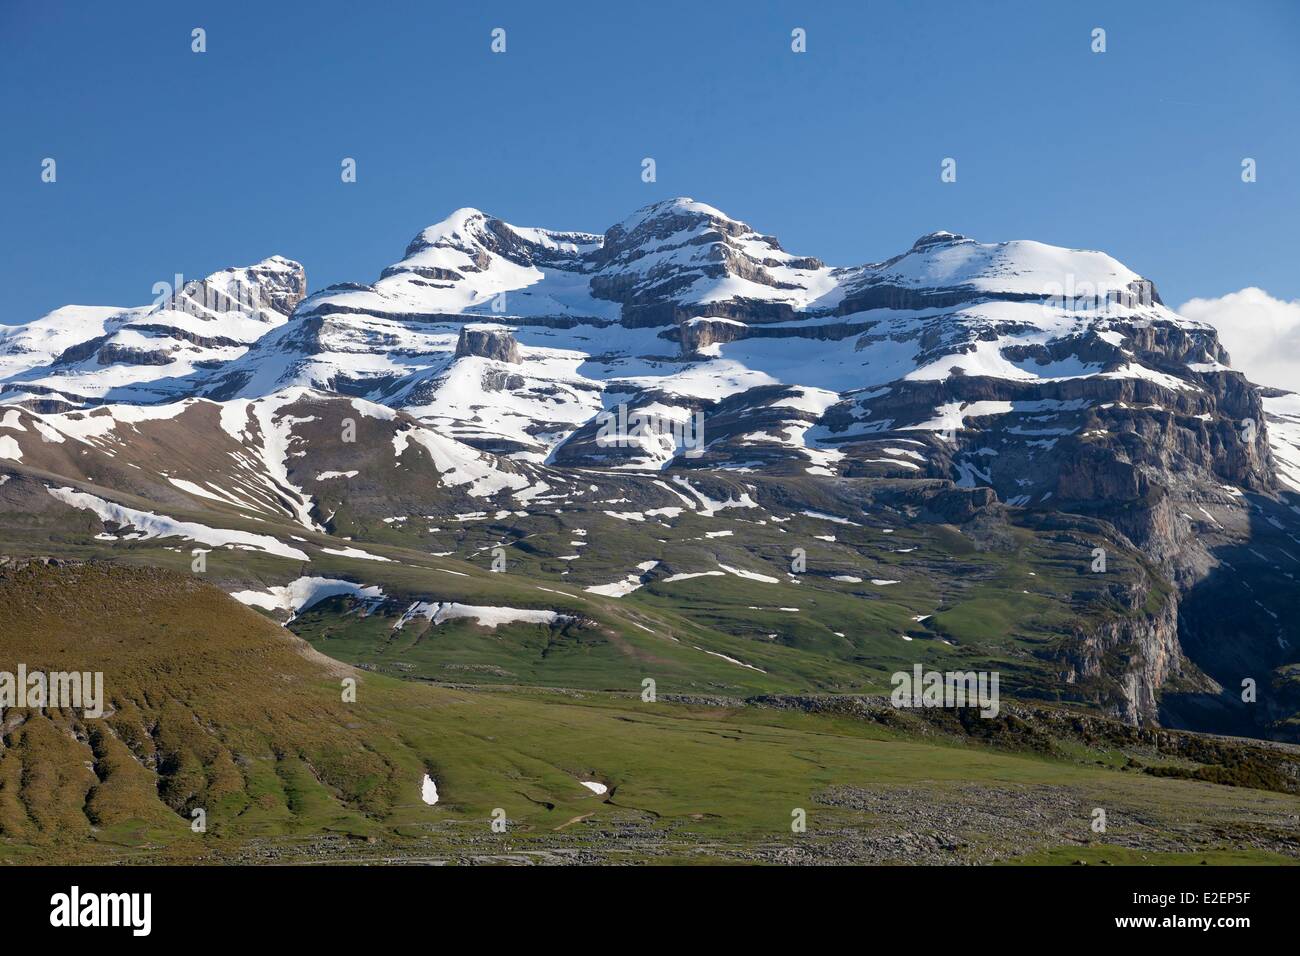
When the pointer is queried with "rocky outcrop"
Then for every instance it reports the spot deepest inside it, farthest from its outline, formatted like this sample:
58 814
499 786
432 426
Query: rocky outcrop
114 354
490 343
700 333
959 505
721 323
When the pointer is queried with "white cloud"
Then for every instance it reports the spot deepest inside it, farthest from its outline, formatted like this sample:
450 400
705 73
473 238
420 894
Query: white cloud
1261 333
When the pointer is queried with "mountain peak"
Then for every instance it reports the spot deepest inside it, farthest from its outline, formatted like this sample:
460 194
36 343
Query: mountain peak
275 283
275 262
455 229
939 237
679 207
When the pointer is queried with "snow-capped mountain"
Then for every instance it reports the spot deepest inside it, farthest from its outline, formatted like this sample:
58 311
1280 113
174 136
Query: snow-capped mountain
81 355
516 339
483 369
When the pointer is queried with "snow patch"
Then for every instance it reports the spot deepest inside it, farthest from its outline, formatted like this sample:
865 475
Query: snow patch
159 526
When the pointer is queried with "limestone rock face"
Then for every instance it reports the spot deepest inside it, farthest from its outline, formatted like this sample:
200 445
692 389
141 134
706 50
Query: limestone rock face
496 344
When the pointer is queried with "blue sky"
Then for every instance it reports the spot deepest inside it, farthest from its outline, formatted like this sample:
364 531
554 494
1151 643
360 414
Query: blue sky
171 161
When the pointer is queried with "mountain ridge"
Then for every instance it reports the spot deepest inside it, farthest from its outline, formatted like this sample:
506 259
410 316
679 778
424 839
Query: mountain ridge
971 383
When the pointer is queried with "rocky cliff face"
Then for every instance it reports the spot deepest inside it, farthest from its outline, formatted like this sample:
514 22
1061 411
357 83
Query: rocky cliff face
495 344
275 285
1130 659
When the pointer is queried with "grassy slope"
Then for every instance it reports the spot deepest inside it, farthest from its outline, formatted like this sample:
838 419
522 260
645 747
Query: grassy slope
1005 606
216 707
1003 597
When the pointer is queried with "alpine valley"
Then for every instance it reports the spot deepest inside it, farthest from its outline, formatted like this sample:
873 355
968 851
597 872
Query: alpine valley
658 641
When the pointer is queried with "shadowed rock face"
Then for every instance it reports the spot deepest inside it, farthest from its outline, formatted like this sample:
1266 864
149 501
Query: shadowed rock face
496 344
